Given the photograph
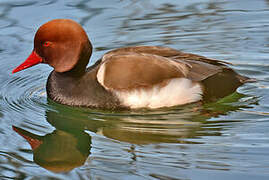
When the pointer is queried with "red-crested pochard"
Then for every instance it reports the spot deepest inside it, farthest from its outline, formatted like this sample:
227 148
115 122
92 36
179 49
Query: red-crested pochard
129 77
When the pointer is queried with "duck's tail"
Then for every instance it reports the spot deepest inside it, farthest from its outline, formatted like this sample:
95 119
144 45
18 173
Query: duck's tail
244 79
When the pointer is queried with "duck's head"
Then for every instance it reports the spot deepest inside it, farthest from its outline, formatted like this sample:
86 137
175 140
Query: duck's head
61 43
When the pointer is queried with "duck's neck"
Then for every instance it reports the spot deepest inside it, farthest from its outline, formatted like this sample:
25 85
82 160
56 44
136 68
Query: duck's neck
79 89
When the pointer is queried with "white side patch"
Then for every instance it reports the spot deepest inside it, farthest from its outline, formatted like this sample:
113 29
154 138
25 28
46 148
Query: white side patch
101 73
177 92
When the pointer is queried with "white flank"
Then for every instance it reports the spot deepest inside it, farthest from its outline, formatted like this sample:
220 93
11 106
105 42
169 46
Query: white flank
177 92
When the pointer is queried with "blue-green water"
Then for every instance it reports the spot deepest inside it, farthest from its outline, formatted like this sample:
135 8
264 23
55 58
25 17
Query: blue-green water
228 139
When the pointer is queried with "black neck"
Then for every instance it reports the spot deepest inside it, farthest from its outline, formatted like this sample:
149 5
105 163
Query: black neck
80 89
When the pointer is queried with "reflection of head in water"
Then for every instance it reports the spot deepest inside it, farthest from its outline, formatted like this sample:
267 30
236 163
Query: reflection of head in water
58 151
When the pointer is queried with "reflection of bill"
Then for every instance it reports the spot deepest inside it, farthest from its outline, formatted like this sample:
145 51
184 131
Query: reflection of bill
58 151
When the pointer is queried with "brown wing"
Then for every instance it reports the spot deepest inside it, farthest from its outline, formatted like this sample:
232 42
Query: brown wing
165 52
200 71
195 67
133 70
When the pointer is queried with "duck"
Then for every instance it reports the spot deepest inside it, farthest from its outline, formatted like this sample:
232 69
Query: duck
129 77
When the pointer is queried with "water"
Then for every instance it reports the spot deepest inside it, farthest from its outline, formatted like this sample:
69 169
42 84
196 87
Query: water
228 139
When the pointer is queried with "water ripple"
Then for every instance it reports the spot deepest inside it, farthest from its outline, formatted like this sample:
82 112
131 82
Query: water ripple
24 93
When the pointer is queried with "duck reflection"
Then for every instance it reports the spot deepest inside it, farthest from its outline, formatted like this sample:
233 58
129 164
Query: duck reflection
59 151
69 145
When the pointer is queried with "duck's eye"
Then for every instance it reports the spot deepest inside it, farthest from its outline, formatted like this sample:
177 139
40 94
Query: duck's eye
46 43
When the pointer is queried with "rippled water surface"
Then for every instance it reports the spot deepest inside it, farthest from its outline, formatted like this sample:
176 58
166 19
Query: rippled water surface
228 139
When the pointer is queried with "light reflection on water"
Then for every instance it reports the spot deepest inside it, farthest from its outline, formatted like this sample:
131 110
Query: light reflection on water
224 139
